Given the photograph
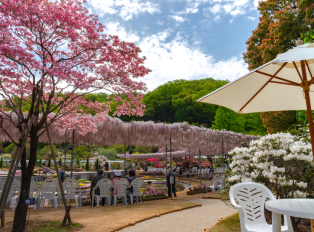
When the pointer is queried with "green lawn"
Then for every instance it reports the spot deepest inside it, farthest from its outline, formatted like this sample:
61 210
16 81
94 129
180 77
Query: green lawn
55 226
230 224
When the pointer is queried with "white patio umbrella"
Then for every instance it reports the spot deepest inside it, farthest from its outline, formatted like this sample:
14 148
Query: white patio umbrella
280 85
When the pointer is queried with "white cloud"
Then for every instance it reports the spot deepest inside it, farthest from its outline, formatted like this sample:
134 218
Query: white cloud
217 17
231 20
127 8
130 8
104 6
177 59
215 9
251 18
177 18
232 7
116 29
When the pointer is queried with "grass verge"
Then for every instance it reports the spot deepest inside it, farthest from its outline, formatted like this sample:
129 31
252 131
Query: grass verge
230 224
55 226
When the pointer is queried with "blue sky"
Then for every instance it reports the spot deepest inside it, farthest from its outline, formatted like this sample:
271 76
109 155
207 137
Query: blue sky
188 39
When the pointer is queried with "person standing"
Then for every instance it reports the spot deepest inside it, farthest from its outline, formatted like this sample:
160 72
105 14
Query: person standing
171 186
106 166
62 175
95 179
180 173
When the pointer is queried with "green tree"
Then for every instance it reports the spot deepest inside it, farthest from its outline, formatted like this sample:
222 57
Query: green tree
1 163
228 119
47 151
10 148
87 164
278 121
49 161
81 151
97 164
110 153
280 25
60 161
77 160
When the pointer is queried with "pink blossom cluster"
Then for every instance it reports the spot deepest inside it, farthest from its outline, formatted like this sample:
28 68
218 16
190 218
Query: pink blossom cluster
54 53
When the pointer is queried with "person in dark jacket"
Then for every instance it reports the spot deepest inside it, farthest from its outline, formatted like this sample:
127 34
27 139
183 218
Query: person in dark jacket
62 173
106 166
130 179
180 173
95 179
171 186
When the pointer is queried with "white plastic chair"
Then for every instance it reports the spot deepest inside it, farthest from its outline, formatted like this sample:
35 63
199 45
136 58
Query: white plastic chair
121 186
48 188
104 187
213 184
69 187
223 183
137 185
251 197
15 187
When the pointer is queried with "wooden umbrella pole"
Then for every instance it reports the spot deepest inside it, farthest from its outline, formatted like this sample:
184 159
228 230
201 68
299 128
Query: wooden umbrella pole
67 207
14 164
306 89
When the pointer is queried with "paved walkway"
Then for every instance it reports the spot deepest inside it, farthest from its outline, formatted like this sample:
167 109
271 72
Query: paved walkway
195 219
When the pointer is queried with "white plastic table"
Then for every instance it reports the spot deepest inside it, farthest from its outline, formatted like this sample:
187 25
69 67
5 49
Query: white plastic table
301 208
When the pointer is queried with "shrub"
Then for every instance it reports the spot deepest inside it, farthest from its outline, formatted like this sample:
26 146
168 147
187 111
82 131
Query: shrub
282 162
35 170
55 175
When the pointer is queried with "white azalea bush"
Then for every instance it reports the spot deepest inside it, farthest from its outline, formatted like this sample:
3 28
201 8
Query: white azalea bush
282 162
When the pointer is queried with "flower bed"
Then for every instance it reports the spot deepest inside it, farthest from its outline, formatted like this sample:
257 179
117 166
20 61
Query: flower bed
147 178
151 173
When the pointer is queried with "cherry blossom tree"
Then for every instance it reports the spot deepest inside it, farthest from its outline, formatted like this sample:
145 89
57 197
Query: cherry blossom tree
53 53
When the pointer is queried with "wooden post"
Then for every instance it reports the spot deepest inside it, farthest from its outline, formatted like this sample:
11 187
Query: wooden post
67 207
72 155
13 167
3 219
306 89
312 225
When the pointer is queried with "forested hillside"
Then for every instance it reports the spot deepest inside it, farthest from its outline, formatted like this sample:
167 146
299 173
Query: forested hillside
175 101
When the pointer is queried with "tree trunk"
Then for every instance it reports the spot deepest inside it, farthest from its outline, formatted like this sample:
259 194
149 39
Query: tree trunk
20 216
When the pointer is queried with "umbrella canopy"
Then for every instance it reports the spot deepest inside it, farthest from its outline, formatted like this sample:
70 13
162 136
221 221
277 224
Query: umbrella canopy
280 85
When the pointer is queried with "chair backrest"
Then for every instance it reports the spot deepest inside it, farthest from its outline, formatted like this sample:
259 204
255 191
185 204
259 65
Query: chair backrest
137 185
217 177
33 188
70 186
48 188
121 186
104 186
251 197
15 187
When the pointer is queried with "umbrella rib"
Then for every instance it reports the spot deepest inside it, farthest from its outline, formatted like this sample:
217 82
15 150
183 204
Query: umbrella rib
282 79
296 68
312 78
278 82
272 76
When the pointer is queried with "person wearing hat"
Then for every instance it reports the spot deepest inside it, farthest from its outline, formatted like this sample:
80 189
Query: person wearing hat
117 175
95 180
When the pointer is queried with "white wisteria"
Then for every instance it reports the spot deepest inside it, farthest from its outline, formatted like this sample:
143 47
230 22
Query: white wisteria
114 131
159 155
282 162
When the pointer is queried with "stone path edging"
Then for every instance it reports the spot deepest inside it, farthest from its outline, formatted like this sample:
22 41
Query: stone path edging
158 215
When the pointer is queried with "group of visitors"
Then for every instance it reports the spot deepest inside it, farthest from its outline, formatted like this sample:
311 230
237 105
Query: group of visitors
117 176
